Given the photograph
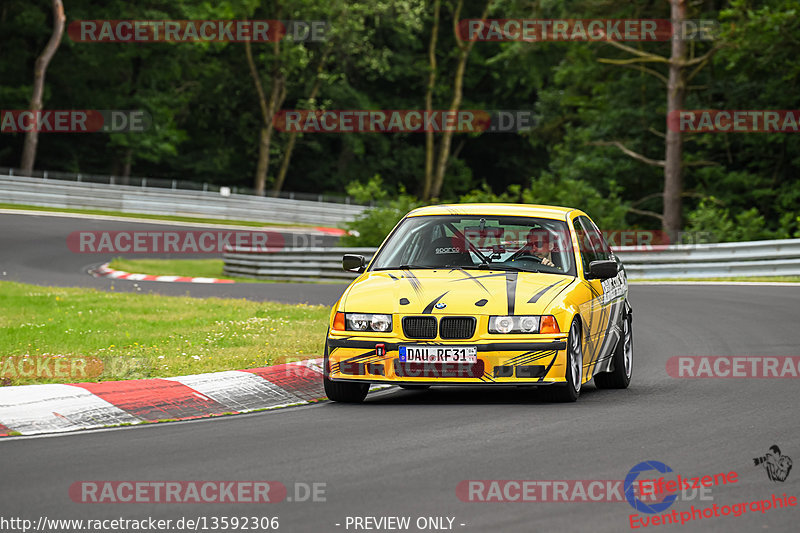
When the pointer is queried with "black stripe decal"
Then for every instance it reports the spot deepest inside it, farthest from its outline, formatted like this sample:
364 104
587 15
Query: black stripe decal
412 279
539 294
547 370
469 276
511 290
429 308
499 275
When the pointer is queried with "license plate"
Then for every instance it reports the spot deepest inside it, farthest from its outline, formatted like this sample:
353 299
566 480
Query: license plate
438 354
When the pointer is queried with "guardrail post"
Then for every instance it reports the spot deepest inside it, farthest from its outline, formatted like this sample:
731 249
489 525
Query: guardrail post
78 178
144 183
174 184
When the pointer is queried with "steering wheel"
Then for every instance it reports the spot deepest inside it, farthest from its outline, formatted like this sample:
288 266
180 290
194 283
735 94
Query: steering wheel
528 256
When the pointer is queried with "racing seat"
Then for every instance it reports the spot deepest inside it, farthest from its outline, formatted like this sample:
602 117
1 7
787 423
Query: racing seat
446 251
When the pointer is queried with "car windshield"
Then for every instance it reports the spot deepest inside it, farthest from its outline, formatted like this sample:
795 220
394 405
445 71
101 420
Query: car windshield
479 242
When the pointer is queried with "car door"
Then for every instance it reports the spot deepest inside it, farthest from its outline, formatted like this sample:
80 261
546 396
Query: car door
596 312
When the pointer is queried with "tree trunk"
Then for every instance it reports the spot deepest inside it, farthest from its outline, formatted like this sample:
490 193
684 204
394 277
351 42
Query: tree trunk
427 184
128 162
455 104
673 156
39 70
268 110
287 154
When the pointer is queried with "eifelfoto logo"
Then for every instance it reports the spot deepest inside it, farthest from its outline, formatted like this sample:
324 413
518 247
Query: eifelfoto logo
777 466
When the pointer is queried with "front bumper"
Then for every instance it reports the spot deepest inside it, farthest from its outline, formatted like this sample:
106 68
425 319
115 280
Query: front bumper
540 361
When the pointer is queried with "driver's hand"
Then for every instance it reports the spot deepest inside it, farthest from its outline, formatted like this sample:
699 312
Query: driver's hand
547 262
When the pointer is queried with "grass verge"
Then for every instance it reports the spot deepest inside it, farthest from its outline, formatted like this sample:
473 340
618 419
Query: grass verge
195 268
145 335
192 220
200 268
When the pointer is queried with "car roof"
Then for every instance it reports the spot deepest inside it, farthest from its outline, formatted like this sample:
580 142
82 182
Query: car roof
523 210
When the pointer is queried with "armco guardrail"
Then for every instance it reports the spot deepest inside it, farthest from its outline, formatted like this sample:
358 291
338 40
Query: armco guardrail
727 259
158 201
310 264
757 258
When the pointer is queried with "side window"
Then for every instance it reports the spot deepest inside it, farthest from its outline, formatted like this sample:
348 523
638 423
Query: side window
602 249
590 242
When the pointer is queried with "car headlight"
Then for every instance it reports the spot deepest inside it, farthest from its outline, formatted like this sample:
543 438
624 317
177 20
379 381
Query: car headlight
516 323
368 322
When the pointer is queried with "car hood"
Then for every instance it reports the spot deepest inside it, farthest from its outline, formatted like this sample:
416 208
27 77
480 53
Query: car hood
470 292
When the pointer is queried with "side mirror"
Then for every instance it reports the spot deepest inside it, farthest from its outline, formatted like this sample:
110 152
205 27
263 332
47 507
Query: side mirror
602 269
353 263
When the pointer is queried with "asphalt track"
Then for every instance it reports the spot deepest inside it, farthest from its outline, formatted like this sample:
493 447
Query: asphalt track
403 453
33 249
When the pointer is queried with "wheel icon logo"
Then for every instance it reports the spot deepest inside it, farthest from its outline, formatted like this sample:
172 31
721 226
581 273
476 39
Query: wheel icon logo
630 480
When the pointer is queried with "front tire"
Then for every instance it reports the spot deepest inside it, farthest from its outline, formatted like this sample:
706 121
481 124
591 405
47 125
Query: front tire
344 391
620 377
574 372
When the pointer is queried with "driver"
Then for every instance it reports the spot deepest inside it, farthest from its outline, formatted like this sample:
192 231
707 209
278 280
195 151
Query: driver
537 244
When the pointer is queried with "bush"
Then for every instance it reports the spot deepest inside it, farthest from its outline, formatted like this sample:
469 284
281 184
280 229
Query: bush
375 223
608 211
750 225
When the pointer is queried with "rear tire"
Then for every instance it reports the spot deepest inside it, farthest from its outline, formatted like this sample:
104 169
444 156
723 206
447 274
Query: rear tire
620 377
574 372
344 391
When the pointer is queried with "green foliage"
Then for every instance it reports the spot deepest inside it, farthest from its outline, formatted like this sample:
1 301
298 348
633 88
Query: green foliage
713 218
375 224
607 210
485 195
206 118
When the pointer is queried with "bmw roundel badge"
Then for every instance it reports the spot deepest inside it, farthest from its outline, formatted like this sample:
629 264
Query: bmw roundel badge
440 305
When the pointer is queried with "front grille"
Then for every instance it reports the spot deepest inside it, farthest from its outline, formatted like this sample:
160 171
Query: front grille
457 327
431 370
419 327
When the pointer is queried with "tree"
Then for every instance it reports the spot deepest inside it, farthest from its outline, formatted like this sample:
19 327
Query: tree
39 70
676 83
427 183
455 103
268 109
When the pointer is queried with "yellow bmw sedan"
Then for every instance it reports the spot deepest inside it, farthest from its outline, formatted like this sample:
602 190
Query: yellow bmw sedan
483 294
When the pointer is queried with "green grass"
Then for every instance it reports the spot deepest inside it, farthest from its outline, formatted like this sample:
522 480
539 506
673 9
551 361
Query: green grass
148 335
780 279
193 220
196 268
200 268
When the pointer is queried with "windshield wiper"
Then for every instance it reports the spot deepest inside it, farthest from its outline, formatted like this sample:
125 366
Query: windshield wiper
497 266
400 267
